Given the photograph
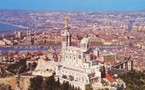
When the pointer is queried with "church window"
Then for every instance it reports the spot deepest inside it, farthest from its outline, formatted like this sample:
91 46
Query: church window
79 56
84 45
74 58
85 59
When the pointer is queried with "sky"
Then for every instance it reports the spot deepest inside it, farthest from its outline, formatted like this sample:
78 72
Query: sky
76 5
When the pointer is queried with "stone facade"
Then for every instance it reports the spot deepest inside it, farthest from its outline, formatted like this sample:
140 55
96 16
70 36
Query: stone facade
76 65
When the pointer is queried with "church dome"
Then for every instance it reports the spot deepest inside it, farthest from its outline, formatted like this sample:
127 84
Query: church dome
85 40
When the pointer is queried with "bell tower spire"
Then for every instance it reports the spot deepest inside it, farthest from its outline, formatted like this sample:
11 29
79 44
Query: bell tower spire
66 21
66 34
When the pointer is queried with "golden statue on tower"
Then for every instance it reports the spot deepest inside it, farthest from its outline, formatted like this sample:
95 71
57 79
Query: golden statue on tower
66 21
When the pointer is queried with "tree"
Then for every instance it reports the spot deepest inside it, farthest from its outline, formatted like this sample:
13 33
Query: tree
53 83
65 86
18 67
36 83
135 80
57 84
50 83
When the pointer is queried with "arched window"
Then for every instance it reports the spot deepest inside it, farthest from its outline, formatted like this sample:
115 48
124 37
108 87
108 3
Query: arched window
79 56
74 58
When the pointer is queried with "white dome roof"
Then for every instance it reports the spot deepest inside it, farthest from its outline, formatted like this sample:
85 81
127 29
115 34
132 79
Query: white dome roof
85 40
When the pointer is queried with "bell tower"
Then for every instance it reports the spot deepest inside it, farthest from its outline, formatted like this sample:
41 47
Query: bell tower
66 36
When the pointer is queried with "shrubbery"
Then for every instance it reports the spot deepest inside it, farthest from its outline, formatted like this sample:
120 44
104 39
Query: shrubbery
135 80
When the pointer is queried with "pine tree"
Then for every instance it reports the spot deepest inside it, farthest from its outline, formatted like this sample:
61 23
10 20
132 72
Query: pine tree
57 85
36 83
65 86
134 80
50 83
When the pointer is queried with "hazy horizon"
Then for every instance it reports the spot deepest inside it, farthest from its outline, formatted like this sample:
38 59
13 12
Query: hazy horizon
74 5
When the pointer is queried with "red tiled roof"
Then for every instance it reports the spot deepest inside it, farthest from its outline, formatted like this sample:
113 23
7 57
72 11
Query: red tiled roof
55 57
46 59
38 53
110 78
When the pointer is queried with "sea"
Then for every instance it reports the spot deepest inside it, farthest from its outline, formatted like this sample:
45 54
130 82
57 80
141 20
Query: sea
6 28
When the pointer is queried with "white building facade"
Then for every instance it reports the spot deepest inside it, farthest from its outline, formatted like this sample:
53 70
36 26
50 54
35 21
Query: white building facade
76 64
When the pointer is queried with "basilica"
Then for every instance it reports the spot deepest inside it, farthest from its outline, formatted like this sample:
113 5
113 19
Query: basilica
76 65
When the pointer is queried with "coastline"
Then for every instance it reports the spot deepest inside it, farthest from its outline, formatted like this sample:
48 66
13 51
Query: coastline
19 26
